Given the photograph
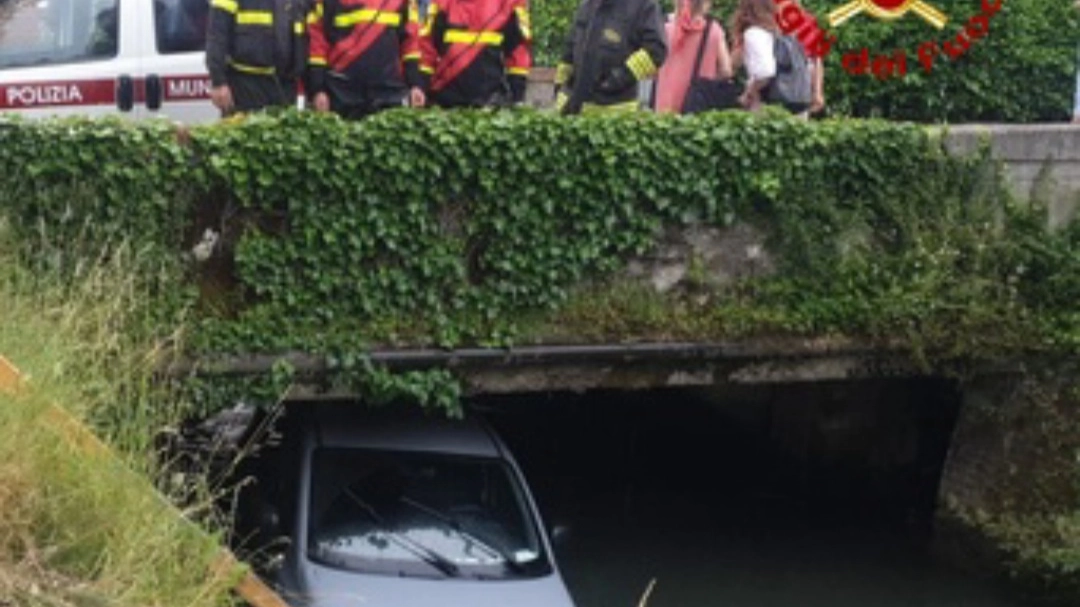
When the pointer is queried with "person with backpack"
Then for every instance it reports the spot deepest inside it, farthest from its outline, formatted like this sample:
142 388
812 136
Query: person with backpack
697 50
755 29
613 45
365 56
777 69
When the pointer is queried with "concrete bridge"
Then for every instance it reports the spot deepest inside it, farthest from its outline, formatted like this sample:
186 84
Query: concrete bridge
1011 454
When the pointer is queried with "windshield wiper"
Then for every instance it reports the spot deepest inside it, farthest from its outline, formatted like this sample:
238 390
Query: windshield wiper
424 553
456 525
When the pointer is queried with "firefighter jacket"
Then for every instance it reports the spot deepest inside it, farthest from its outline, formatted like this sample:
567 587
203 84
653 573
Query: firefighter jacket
612 46
367 50
260 37
476 52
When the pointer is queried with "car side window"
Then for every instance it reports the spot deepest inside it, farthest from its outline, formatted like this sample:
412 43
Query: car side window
181 25
36 32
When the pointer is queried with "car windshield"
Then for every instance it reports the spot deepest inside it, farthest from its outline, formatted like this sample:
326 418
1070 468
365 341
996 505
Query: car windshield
421 514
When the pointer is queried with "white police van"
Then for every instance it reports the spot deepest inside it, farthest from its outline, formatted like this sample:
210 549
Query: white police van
133 58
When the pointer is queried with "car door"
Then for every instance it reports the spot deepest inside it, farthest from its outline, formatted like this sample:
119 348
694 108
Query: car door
69 57
177 85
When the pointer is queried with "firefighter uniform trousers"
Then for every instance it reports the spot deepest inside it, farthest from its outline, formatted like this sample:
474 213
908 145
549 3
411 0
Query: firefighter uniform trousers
365 54
259 49
476 53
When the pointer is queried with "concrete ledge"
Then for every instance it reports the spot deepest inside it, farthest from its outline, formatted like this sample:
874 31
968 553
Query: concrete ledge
1042 161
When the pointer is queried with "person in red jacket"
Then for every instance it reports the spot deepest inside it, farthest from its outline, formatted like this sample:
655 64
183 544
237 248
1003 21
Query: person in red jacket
365 56
476 53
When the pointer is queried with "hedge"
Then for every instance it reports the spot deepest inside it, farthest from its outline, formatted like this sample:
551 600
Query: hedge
1024 70
435 228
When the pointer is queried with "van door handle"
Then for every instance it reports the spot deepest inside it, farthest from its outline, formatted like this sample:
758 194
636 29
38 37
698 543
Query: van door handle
153 92
125 93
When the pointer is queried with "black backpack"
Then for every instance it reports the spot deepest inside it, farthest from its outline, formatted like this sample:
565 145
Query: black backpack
792 86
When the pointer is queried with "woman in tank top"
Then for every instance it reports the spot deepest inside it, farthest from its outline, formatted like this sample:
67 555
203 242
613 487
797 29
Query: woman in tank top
684 31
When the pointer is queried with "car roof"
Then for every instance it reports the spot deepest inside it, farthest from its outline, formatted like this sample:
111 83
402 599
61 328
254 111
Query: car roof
402 428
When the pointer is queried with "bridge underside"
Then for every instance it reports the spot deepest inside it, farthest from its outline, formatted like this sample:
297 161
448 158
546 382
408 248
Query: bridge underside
578 368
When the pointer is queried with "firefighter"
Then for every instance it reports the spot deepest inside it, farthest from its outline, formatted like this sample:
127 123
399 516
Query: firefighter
613 45
365 56
255 51
476 53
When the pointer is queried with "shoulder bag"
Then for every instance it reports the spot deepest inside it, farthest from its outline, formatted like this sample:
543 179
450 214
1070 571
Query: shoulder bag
705 94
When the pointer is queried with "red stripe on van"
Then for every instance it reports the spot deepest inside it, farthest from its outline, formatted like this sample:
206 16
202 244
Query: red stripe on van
59 93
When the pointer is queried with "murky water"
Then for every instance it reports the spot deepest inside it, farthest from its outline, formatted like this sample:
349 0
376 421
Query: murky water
685 494
765 558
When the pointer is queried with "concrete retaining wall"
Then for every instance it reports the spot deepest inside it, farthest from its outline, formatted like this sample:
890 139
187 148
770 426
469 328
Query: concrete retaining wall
1042 161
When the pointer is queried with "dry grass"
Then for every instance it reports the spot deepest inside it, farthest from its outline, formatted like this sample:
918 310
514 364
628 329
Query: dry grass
79 528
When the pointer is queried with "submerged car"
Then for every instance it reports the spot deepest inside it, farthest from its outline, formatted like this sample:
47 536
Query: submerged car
414 511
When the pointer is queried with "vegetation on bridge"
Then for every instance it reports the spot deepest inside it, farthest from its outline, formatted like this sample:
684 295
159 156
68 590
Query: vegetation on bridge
432 228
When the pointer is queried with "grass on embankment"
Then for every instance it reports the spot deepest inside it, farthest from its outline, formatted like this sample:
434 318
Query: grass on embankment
78 528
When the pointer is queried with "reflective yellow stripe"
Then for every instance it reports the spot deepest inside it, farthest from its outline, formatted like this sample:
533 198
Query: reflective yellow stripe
524 22
252 69
411 57
641 64
255 18
298 28
229 6
563 72
321 61
367 15
427 69
433 9
561 99
467 37
414 11
614 108
315 14
517 71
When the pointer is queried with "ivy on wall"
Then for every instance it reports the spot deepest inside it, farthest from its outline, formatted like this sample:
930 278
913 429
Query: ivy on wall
493 228
439 229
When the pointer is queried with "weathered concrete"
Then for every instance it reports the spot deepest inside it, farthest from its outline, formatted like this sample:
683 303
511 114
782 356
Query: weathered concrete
1009 490
1042 161
704 256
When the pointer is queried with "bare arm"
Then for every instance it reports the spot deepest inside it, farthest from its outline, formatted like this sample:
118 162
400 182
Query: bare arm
817 102
724 67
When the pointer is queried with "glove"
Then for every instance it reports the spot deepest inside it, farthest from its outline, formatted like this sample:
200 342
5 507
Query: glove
617 80
561 99
563 73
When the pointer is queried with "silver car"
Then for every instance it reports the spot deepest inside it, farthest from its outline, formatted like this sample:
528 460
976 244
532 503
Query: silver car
414 511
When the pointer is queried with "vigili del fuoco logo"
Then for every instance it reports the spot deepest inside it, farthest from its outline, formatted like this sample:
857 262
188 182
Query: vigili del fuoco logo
888 63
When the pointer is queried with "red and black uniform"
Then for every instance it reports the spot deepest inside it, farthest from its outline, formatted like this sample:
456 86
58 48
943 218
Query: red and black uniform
476 52
365 54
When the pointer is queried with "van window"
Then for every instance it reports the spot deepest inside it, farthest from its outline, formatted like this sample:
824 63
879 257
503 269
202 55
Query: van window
181 25
48 32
